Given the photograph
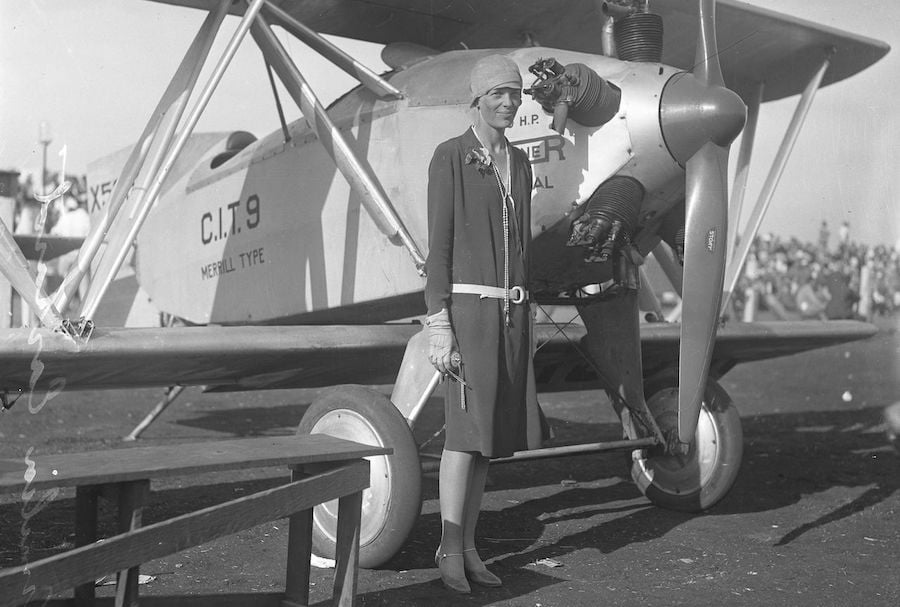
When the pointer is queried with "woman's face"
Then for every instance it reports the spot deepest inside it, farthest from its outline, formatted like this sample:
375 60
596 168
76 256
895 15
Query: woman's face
497 108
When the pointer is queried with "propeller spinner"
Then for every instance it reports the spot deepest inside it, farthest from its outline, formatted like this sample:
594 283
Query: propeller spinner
700 118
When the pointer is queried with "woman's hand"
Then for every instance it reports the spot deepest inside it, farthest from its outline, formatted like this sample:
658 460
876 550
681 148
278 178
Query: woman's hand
440 341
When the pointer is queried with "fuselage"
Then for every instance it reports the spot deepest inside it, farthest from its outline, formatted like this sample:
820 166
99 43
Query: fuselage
274 234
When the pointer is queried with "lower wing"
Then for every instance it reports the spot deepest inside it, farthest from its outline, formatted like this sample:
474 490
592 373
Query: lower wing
256 357
562 365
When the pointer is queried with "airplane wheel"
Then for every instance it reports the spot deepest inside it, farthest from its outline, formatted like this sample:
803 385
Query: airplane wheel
393 501
698 480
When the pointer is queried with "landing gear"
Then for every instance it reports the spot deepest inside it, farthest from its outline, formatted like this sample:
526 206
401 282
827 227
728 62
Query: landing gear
704 473
393 501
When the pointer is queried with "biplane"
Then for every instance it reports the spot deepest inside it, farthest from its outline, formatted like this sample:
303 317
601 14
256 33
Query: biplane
296 259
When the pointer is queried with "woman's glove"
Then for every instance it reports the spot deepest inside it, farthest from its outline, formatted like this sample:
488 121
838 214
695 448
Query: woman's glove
440 341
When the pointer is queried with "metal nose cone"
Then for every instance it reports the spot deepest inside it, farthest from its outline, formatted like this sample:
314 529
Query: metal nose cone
692 114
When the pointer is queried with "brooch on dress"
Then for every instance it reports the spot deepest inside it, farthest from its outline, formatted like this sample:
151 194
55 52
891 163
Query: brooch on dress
481 157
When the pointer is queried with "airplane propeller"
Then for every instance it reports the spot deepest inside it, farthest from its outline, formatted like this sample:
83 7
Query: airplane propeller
700 118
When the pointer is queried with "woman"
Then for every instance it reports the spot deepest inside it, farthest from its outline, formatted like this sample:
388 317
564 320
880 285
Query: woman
479 197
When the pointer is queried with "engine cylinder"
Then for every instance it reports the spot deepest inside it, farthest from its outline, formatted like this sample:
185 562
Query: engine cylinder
617 199
609 219
575 90
594 101
639 37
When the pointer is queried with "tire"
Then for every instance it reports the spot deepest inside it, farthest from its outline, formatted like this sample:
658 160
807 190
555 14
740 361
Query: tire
698 480
393 501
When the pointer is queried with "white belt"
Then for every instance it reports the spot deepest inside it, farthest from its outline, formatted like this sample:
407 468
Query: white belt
517 294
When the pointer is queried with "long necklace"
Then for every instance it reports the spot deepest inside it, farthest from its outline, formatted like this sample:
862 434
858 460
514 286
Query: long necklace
506 202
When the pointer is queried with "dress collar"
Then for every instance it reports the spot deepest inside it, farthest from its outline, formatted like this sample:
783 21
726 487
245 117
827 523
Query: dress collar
478 140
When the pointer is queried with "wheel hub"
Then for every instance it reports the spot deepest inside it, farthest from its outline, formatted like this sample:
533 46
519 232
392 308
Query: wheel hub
349 425
680 467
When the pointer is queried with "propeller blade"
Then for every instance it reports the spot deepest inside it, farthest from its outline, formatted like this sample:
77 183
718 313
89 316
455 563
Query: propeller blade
718 116
706 224
706 61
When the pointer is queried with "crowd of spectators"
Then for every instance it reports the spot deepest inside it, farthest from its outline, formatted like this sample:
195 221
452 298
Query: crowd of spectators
65 216
27 212
843 280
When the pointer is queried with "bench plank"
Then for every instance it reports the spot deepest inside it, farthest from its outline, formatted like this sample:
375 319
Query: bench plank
256 599
98 467
64 571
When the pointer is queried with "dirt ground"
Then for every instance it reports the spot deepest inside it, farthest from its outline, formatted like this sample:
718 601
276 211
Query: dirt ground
812 519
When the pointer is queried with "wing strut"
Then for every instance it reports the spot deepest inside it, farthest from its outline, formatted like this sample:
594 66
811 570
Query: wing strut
18 271
171 394
739 188
765 196
169 109
321 45
357 174
647 297
156 179
670 266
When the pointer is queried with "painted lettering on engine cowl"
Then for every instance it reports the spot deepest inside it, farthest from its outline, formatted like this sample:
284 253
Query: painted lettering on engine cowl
542 149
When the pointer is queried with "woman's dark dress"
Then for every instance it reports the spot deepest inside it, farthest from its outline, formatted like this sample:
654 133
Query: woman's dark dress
465 226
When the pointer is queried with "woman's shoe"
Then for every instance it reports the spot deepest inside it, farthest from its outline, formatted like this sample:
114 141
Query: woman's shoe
482 577
457 584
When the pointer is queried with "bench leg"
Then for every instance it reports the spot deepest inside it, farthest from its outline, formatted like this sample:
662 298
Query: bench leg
132 496
85 533
296 587
346 556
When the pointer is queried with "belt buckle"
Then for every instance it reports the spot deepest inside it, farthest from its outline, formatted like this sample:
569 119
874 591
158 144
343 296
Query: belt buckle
517 295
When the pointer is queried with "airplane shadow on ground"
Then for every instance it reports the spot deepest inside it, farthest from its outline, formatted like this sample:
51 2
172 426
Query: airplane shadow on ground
248 421
787 456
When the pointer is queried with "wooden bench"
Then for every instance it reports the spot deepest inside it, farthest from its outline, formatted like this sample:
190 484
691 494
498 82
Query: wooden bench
323 468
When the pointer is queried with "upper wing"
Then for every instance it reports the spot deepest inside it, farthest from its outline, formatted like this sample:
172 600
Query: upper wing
757 44
309 356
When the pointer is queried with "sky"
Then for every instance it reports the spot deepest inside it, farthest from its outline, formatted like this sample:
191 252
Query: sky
93 70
